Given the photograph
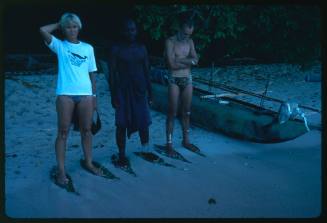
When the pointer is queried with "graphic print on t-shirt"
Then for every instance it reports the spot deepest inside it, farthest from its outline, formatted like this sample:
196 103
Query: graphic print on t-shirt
76 59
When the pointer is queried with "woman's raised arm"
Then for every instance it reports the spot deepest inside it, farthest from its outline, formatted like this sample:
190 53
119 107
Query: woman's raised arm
47 30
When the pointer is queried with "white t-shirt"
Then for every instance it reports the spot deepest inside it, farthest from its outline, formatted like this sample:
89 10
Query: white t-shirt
75 61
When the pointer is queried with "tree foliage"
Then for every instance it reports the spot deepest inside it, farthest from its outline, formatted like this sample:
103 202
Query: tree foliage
288 33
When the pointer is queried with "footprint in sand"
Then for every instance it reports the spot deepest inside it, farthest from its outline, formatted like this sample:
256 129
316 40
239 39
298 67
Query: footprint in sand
21 112
37 112
40 123
49 134
74 146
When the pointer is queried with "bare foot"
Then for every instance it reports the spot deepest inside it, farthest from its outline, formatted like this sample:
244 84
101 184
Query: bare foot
190 146
94 170
61 179
170 150
122 162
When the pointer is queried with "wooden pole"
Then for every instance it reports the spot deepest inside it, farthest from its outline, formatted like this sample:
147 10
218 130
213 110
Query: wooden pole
238 90
265 92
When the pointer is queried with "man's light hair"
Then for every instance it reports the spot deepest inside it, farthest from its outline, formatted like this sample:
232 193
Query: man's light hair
70 17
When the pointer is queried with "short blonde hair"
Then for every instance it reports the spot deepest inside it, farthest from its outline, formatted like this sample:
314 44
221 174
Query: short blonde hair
70 17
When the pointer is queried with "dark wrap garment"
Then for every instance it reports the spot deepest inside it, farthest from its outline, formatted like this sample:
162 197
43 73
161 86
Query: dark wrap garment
131 87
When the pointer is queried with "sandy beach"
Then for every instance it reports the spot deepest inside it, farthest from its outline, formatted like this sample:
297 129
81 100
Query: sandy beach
236 179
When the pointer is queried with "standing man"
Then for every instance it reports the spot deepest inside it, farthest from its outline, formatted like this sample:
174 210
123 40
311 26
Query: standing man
180 55
130 89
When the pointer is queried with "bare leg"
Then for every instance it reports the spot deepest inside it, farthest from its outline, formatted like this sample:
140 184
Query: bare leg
186 112
65 108
121 141
85 112
173 94
144 136
186 98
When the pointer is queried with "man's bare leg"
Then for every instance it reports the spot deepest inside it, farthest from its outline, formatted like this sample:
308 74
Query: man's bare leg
186 98
173 95
65 108
121 142
85 112
144 136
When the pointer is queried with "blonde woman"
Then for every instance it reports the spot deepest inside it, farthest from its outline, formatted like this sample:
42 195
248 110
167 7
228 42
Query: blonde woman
75 88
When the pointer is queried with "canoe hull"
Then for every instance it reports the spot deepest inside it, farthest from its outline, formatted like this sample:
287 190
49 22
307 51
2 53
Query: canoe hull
236 119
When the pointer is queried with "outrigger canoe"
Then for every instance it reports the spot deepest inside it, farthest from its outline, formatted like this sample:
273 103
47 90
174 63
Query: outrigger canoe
231 116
